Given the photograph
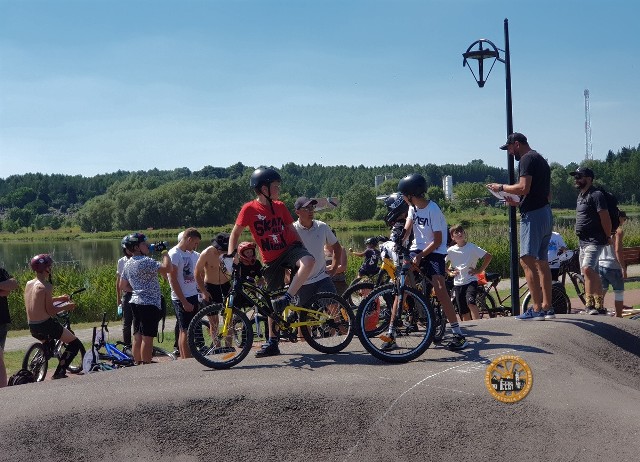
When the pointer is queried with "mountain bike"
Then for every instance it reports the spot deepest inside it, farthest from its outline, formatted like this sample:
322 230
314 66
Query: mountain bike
486 302
414 318
362 286
569 267
37 357
326 322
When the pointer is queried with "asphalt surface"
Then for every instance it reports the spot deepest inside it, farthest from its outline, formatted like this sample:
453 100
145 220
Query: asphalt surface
302 405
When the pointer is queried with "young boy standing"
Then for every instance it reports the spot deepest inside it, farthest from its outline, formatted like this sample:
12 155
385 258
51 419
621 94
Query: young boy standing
271 226
464 257
429 247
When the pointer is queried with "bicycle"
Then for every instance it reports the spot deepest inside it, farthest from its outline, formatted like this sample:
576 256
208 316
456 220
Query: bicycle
37 357
414 319
326 323
486 302
362 286
559 299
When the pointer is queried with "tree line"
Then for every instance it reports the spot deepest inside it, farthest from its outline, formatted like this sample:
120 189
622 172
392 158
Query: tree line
212 196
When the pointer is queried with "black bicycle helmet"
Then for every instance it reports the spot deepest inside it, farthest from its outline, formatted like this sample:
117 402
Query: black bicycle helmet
396 207
263 177
413 185
134 239
370 241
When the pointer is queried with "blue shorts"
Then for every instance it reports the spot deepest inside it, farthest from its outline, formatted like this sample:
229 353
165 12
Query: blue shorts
611 276
183 318
308 290
535 232
589 255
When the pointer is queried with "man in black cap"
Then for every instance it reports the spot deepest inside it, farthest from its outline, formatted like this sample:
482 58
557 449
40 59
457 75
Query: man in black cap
536 222
593 227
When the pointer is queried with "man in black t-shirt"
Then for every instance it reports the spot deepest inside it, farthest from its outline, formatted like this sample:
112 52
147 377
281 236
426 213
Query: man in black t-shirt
593 227
536 222
7 284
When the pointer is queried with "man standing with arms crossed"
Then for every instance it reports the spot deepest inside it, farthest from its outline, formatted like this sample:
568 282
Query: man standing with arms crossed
536 222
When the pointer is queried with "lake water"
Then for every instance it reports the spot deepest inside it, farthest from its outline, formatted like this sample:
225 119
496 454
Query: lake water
15 255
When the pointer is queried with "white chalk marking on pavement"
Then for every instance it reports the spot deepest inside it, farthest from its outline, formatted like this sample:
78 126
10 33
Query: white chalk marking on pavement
411 388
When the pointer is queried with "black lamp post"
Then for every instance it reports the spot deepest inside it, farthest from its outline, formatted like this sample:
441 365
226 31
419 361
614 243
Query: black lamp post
487 50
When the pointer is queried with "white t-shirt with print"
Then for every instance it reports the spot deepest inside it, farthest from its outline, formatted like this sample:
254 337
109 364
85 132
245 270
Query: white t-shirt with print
314 239
185 271
463 258
425 222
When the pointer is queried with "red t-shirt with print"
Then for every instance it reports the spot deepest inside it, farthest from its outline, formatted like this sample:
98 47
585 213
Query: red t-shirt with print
269 230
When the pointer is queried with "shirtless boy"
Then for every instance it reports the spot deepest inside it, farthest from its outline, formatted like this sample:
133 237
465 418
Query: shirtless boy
41 306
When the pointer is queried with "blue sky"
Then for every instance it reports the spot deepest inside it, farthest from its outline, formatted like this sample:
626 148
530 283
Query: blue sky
89 87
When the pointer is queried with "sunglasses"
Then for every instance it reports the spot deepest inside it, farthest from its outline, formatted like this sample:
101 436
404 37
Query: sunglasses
309 208
578 176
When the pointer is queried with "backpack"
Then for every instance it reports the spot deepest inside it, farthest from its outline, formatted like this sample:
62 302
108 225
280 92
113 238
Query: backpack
21 377
612 206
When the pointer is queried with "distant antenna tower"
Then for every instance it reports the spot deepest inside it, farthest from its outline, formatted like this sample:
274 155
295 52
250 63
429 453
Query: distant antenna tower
587 127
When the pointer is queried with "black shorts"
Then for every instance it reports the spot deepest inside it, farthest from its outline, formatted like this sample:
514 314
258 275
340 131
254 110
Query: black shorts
47 330
218 292
145 319
274 271
183 318
465 296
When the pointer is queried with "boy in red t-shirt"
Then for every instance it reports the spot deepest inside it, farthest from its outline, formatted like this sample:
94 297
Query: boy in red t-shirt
281 248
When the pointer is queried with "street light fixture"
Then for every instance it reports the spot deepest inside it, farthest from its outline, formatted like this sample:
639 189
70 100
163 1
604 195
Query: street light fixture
488 50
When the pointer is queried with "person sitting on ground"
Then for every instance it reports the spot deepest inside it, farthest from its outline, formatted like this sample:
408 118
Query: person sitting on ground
271 226
464 257
41 306
371 256
7 285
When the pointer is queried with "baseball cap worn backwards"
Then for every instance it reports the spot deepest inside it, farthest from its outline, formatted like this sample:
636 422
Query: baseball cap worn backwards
302 202
519 137
582 171
221 241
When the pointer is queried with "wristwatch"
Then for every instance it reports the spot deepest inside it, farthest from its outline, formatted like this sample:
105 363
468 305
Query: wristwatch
501 188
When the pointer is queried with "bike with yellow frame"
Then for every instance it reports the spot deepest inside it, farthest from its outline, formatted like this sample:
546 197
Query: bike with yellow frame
326 323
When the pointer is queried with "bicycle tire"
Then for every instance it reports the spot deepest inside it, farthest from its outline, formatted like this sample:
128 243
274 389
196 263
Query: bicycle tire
35 360
578 284
220 354
486 304
416 334
355 293
336 332
439 320
559 299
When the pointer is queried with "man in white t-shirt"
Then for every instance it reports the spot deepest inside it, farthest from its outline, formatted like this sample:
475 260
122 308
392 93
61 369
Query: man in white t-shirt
315 235
184 288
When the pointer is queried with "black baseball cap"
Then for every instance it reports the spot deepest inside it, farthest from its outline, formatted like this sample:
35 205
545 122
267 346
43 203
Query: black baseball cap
519 137
584 171
221 241
302 202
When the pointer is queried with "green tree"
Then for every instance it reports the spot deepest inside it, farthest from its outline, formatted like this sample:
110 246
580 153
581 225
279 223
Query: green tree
359 203
97 215
436 194
470 193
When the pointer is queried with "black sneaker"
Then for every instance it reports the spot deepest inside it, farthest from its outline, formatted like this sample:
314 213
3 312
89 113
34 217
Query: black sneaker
268 349
59 375
280 303
458 342
602 311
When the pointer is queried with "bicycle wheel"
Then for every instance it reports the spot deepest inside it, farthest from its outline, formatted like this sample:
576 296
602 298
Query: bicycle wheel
486 304
439 320
219 351
415 324
35 360
355 293
559 299
332 327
